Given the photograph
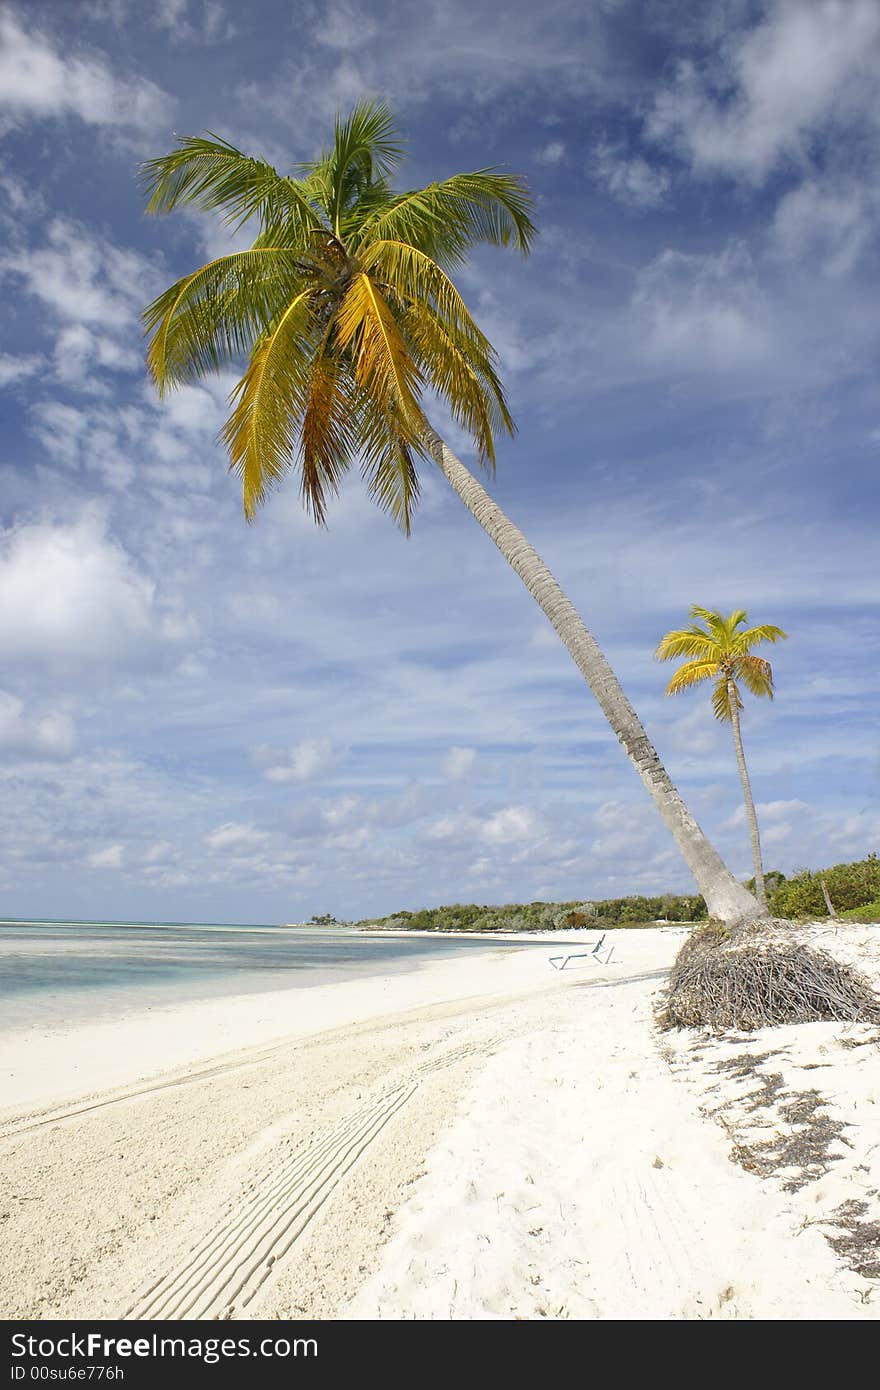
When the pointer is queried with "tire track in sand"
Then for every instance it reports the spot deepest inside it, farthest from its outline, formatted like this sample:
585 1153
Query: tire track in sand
220 1275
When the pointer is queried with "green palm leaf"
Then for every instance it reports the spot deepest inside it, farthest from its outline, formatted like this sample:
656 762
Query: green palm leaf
213 175
213 316
445 219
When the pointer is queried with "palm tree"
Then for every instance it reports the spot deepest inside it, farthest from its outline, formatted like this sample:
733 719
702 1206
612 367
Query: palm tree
721 651
347 315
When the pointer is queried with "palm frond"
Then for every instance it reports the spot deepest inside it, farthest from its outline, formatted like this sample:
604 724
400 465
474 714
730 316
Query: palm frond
690 642
755 674
764 632
269 402
366 146
388 464
213 316
447 218
213 175
383 366
720 629
414 277
461 376
329 436
725 699
690 674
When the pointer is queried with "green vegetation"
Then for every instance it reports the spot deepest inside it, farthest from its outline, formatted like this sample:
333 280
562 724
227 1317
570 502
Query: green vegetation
869 913
852 888
540 916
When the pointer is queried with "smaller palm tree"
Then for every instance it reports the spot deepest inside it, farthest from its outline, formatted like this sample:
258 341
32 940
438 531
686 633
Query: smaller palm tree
721 651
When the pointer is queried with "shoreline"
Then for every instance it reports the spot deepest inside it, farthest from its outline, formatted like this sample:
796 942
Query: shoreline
41 1065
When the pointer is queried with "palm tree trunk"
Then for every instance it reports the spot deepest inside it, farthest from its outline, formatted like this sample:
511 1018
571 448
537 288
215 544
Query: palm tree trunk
751 814
725 898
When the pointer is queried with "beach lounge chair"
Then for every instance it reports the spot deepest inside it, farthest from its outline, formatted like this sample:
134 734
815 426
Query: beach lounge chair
594 956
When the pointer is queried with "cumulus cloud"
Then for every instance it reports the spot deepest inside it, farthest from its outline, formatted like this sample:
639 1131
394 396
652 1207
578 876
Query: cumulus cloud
38 80
768 90
630 178
70 595
510 825
306 760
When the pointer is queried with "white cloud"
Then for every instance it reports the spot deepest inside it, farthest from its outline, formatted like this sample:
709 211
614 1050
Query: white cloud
344 26
14 369
71 595
159 852
109 858
695 732
771 88
79 354
83 278
458 762
509 825
630 179
552 153
49 735
304 761
773 812
702 311
833 222
37 80
235 839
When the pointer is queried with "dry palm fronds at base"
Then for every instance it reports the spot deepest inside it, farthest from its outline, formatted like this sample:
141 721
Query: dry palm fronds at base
751 978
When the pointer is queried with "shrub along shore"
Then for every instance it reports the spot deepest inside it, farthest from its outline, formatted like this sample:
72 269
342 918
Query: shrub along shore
853 890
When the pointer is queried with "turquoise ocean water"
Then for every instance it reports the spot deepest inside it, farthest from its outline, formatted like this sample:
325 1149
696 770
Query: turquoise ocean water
62 972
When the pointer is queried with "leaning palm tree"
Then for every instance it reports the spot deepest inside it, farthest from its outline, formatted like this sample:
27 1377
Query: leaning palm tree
721 651
349 322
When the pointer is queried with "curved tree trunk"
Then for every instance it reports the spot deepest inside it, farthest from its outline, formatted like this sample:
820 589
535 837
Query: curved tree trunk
751 814
726 898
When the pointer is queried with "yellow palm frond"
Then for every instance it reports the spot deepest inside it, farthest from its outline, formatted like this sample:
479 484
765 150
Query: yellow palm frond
212 316
388 463
269 402
417 279
685 642
765 632
366 328
462 377
725 698
692 673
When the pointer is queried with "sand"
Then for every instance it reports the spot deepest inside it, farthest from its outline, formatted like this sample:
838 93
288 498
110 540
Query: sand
486 1138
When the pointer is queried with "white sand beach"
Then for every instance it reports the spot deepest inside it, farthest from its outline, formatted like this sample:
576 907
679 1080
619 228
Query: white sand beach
484 1138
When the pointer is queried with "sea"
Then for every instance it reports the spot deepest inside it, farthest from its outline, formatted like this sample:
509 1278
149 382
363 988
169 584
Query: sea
59 972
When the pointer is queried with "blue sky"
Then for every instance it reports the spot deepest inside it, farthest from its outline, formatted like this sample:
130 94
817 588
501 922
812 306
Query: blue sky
200 719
